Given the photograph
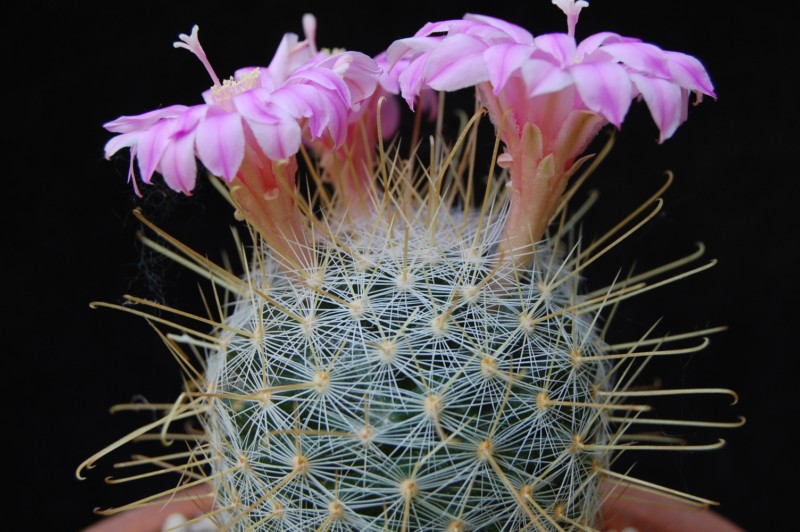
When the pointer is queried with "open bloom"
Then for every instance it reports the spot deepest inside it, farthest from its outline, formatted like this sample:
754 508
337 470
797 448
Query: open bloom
251 126
301 90
548 95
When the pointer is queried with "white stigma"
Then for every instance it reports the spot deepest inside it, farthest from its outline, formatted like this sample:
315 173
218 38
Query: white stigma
310 31
571 8
192 43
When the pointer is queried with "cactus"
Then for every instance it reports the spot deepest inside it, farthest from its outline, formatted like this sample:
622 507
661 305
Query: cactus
398 355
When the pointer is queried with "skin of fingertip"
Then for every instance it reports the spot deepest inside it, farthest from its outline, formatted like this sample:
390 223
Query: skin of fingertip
151 518
649 512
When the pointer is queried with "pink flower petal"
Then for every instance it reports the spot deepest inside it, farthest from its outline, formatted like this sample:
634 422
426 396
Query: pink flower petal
361 76
456 64
151 146
689 73
126 124
187 122
559 46
125 140
543 77
281 65
411 80
295 99
590 44
515 33
387 79
255 106
324 109
178 164
324 78
640 56
279 140
504 60
327 112
403 48
220 144
665 102
604 89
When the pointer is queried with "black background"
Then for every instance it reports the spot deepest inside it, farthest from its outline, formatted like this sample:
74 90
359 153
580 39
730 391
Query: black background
69 237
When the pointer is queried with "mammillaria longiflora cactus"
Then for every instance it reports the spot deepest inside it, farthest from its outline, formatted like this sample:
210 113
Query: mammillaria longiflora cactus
394 358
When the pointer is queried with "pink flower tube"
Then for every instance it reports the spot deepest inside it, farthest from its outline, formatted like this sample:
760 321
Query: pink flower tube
250 129
548 96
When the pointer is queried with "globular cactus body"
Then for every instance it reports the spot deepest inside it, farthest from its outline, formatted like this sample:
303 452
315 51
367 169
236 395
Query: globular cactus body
411 381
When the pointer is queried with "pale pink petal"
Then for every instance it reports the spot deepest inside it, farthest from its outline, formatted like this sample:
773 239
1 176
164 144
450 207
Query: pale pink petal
684 105
665 102
504 60
409 48
361 76
178 164
187 122
151 146
543 77
559 46
279 140
456 64
295 99
324 78
327 112
593 42
302 54
279 68
268 81
277 132
220 144
516 33
254 106
411 80
126 124
640 56
323 108
388 77
126 140
689 73
604 89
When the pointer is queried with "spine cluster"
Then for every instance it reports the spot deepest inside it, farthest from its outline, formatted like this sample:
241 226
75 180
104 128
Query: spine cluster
412 381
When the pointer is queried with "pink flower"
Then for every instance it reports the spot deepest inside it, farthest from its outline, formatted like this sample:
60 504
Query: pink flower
548 96
448 55
302 92
250 128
